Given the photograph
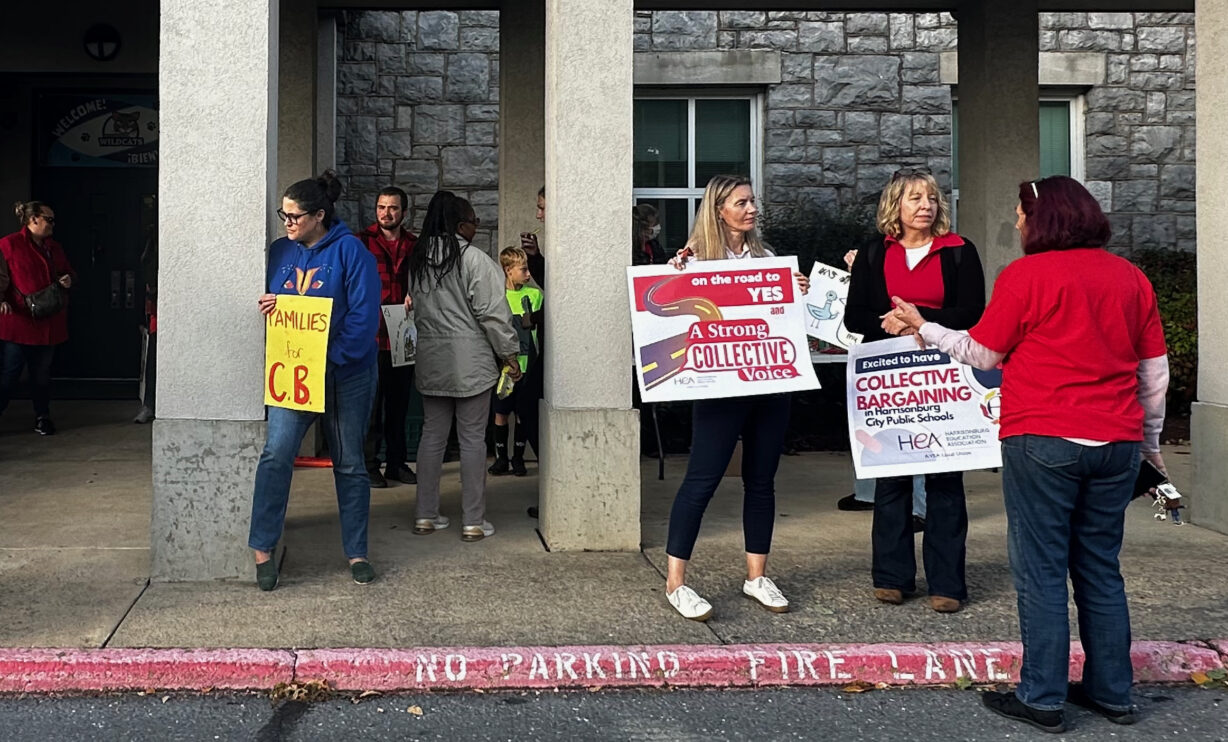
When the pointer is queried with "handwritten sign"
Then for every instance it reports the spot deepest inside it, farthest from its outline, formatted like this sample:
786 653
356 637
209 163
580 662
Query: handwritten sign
402 333
829 292
917 411
296 352
720 328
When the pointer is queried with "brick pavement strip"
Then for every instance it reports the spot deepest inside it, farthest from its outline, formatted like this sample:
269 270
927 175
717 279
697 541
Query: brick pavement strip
487 668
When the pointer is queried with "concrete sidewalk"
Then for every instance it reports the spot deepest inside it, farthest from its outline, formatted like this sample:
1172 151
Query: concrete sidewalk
74 524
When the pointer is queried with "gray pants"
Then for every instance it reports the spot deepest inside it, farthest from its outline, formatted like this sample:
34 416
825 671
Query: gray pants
470 414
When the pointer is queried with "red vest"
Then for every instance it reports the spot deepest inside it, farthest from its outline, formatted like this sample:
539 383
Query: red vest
31 270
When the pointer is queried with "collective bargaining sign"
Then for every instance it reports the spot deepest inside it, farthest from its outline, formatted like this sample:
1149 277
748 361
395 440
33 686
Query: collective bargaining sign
917 411
720 328
296 352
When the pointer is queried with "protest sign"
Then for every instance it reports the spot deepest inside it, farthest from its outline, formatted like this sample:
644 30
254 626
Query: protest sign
915 411
296 352
720 328
402 333
829 292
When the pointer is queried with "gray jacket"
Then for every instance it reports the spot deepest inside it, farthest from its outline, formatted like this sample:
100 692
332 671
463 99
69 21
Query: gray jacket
464 326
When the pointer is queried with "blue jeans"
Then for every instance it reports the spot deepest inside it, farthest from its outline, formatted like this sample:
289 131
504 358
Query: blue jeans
943 547
347 410
761 421
1065 510
863 491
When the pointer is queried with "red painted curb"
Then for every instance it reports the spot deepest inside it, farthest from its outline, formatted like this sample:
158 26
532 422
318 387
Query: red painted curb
712 666
61 670
484 668
1221 646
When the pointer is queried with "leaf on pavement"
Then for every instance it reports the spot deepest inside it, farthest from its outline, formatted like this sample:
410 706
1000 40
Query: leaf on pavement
963 682
415 710
858 686
1200 678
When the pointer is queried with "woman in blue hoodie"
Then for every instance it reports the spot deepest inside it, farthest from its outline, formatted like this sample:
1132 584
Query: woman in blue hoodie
319 256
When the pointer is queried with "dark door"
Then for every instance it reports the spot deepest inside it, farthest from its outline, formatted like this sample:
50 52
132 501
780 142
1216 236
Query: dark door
95 163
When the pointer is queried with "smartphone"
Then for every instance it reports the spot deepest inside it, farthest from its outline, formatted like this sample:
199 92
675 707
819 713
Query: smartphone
1148 477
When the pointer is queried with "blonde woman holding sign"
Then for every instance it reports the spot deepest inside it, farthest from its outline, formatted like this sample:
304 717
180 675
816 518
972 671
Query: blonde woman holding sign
725 230
320 256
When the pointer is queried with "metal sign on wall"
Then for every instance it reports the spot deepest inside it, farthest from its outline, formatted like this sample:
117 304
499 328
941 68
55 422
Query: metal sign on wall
98 130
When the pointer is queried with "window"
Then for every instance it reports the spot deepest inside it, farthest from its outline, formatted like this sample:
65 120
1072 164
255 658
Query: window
1061 140
681 141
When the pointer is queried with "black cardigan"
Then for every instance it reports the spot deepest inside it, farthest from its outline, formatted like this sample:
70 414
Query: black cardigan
963 290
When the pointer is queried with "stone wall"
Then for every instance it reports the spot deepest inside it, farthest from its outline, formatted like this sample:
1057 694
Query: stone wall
417 106
860 96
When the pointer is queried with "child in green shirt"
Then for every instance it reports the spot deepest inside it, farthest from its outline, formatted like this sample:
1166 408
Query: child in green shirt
526 304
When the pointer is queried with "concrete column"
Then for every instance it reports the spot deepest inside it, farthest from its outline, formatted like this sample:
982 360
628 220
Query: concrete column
216 182
522 116
1209 494
590 488
326 92
999 122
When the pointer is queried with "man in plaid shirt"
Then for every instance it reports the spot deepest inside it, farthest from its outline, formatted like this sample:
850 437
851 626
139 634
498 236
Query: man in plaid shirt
391 245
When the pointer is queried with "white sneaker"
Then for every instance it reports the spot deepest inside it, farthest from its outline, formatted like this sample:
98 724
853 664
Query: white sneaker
765 591
424 526
477 533
689 604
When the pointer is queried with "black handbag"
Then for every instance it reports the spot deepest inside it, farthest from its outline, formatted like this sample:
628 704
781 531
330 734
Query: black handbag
46 302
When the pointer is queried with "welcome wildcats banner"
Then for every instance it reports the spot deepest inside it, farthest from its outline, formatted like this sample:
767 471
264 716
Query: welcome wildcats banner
917 411
720 328
296 352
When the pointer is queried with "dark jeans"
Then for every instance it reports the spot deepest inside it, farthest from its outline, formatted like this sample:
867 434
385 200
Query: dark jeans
37 358
1065 511
762 422
388 414
347 405
943 547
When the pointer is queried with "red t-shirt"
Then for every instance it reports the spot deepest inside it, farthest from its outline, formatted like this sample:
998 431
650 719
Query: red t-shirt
1074 325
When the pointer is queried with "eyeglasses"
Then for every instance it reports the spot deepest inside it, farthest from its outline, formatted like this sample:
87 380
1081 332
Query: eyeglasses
48 219
292 218
474 221
908 172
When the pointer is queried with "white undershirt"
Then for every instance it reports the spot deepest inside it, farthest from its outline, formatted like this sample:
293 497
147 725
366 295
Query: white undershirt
914 255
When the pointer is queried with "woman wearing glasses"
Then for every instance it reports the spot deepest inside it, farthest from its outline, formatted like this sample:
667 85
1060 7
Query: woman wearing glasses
1085 371
920 260
320 256
465 339
31 263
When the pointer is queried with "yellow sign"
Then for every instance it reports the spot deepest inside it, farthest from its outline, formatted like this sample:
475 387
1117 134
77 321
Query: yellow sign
296 352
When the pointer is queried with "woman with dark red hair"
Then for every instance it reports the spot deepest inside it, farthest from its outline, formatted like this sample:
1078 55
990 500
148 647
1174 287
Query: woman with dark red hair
1085 371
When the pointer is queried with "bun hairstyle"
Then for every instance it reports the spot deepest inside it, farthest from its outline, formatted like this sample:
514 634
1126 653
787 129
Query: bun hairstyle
317 194
27 210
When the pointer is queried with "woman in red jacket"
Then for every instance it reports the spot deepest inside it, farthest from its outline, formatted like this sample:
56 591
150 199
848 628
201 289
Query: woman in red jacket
35 262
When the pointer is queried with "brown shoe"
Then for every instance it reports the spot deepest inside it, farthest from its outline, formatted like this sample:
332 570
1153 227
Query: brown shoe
885 595
944 604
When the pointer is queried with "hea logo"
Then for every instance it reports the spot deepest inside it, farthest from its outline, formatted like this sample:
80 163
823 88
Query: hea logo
918 442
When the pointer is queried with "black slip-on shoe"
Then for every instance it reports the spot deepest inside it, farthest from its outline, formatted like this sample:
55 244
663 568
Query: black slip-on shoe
266 575
362 572
850 502
44 426
402 474
377 480
1008 705
1077 694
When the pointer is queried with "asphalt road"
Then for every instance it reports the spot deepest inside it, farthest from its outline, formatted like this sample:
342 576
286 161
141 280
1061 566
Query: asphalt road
1185 713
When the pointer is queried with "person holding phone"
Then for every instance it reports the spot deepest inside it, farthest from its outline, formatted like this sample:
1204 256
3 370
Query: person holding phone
35 267
1084 376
